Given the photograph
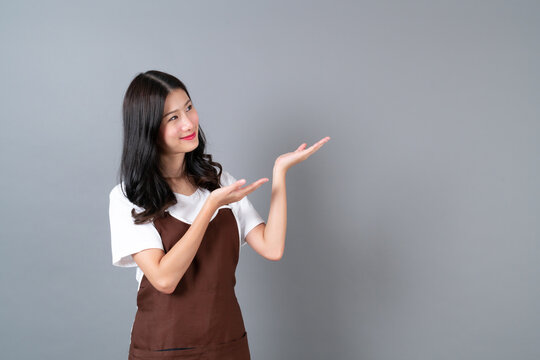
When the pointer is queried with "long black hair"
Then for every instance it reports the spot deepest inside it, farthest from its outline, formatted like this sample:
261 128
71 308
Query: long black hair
144 183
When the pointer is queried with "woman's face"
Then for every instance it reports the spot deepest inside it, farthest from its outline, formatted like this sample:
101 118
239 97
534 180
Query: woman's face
179 120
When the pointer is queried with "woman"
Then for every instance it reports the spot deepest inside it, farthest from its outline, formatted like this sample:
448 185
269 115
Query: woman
181 222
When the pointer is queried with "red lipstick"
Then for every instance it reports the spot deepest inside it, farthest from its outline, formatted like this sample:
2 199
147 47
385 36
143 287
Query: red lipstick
189 137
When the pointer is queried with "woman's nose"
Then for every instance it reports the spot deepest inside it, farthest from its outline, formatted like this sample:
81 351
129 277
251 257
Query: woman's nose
186 124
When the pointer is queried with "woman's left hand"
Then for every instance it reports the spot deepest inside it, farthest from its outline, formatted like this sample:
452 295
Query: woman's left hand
286 161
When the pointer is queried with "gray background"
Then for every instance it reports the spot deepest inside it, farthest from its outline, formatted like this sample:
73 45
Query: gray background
412 234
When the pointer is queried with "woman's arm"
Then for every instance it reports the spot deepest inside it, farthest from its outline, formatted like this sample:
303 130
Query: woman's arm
164 271
276 226
269 240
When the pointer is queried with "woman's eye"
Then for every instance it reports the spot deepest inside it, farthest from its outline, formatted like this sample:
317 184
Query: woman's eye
190 106
174 117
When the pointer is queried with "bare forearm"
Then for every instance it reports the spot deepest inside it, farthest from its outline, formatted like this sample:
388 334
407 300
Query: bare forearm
176 261
276 226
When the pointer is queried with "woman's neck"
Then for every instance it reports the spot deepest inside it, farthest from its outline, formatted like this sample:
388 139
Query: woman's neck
172 169
182 186
172 166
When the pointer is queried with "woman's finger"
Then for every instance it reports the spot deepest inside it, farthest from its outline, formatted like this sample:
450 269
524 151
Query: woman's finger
238 184
253 186
318 144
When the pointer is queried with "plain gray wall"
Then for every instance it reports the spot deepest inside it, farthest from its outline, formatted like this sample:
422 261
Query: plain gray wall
412 234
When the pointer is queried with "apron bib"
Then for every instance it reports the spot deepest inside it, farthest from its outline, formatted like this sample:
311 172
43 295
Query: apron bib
201 319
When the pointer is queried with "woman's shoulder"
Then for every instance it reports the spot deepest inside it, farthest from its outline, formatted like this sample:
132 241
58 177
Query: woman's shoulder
117 196
117 192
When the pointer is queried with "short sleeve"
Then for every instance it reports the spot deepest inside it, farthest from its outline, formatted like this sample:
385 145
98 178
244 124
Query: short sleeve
128 238
247 215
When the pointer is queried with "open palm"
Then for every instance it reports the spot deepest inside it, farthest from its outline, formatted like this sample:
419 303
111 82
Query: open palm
286 161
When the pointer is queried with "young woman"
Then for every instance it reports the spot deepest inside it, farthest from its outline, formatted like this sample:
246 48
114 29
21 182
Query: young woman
181 222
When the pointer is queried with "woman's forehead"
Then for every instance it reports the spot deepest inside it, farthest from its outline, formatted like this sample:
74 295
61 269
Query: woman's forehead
176 99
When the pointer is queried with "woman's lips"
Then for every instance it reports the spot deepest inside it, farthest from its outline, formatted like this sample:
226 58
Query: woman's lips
189 137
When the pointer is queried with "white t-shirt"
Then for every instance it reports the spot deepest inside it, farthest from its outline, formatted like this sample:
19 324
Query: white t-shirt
128 238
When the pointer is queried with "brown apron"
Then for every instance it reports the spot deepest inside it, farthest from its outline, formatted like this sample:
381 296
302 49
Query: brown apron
201 319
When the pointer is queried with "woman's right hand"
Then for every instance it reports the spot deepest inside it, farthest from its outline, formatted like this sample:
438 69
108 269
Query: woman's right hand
234 192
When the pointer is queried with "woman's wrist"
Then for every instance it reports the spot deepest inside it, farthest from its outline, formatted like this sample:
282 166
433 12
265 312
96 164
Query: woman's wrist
278 171
212 203
278 178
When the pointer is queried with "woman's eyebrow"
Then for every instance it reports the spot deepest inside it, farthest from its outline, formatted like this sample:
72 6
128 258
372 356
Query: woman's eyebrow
170 112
